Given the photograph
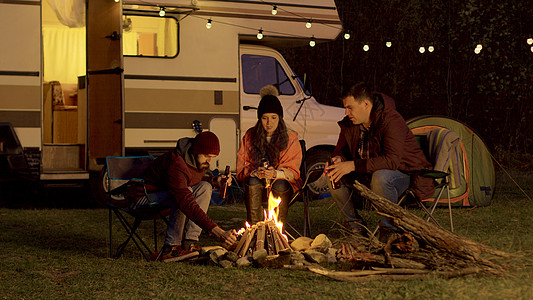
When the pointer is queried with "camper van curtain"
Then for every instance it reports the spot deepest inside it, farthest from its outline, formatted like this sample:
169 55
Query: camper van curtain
63 54
69 12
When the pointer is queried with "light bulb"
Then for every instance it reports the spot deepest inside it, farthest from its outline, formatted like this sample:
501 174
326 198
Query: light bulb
260 34
477 50
388 44
531 48
346 36
208 25
162 12
422 49
308 24
431 48
117 1
479 46
530 41
366 48
312 42
274 10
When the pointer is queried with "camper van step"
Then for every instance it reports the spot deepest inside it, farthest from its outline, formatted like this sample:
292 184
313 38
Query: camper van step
64 175
62 157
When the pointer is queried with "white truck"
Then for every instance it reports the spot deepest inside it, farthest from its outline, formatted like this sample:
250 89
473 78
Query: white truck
131 81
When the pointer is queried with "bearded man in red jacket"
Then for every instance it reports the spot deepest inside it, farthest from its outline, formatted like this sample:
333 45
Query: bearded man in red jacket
174 180
376 147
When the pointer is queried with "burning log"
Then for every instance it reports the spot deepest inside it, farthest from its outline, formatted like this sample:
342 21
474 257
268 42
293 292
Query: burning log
262 235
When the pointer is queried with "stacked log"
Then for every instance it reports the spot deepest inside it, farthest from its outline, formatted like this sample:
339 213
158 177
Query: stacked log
262 235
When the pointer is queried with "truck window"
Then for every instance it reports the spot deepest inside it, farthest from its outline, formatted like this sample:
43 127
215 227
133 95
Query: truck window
150 36
260 70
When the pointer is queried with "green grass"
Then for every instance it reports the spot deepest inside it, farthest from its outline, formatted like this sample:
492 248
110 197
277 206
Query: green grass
62 253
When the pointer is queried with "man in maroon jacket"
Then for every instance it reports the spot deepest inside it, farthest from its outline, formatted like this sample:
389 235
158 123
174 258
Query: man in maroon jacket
376 147
174 180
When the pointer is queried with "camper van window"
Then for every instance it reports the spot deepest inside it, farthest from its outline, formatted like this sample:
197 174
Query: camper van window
259 70
150 36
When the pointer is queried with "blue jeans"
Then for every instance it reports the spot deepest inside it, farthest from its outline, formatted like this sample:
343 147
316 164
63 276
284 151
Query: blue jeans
389 184
178 224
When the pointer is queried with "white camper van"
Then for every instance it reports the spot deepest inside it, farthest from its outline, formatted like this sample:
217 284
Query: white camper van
133 77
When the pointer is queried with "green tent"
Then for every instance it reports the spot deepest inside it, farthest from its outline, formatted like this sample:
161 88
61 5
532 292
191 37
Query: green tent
476 167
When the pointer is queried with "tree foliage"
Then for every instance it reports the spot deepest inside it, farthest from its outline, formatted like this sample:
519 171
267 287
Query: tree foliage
491 91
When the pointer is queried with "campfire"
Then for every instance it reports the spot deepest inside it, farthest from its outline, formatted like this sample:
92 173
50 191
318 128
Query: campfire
267 234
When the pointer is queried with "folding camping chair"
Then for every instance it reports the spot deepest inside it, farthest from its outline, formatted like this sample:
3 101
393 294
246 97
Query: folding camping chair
440 178
121 173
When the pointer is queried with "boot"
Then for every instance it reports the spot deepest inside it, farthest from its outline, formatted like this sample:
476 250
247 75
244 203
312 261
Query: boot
283 208
253 201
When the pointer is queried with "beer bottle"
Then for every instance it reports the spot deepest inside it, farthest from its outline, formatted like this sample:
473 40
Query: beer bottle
224 185
334 184
265 164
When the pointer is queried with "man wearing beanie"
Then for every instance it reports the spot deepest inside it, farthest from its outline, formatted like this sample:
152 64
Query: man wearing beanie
174 180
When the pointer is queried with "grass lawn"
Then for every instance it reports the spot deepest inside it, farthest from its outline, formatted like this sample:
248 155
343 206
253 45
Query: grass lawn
62 253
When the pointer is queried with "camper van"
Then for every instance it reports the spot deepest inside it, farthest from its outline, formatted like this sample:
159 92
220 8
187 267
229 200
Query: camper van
83 80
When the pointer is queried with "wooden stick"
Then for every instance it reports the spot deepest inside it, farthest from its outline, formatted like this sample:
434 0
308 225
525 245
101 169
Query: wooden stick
428 232
241 241
248 240
260 239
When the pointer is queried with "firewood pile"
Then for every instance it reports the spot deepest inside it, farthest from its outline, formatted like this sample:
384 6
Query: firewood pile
262 235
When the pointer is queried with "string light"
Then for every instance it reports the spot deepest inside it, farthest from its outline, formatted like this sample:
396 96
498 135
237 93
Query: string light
431 48
530 41
478 48
312 42
208 25
274 10
347 36
422 49
531 48
308 24
388 44
366 47
162 12
260 34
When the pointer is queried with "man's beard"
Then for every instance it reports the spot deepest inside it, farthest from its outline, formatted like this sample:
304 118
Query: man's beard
203 166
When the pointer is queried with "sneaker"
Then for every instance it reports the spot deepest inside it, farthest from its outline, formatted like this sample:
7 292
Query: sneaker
190 245
357 227
177 253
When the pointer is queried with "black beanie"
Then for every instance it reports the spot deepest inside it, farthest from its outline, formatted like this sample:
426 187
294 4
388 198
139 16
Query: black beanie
269 104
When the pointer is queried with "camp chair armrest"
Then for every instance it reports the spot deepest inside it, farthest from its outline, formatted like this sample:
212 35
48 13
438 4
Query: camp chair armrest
427 173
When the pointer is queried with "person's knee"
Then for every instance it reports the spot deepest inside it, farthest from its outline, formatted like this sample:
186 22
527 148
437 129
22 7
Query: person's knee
250 181
381 179
204 187
281 186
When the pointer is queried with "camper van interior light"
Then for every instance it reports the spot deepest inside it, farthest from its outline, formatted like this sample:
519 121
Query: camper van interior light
260 34
388 44
312 42
208 25
530 41
422 49
274 10
162 12
308 24
366 47
347 36
431 48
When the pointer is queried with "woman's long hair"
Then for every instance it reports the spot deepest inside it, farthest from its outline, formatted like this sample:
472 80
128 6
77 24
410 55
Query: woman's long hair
262 149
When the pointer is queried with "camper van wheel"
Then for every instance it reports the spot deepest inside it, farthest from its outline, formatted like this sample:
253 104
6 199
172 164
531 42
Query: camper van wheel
99 187
316 159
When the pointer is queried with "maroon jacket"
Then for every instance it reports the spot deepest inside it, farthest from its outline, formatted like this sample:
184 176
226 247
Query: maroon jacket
175 171
392 146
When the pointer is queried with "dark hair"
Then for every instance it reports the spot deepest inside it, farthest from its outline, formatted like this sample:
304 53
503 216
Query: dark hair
261 148
359 92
